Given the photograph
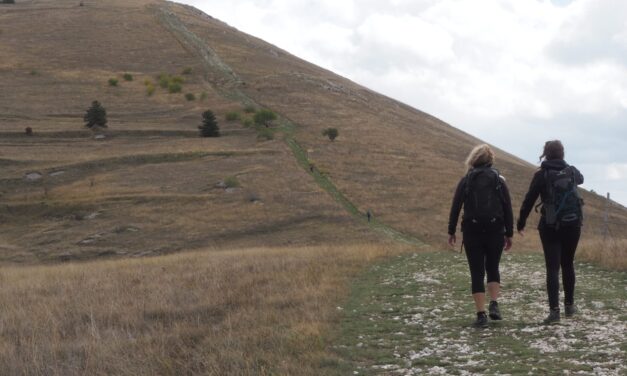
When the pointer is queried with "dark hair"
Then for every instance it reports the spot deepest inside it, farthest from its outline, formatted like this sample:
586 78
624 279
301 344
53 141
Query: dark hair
553 150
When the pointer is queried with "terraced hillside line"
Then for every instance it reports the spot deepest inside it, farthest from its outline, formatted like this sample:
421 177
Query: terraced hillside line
213 63
412 316
75 171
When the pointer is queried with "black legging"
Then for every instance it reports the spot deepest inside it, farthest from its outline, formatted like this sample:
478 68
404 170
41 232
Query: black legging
483 251
559 250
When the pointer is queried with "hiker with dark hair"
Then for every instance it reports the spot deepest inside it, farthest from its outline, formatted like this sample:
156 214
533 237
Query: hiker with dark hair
487 227
560 223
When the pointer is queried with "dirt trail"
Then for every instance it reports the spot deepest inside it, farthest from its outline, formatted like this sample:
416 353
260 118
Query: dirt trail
412 316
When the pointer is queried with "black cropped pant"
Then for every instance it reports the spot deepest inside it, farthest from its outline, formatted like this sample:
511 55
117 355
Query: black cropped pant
559 251
483 251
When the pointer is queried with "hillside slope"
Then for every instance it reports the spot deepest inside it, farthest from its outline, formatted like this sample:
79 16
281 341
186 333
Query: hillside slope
150 186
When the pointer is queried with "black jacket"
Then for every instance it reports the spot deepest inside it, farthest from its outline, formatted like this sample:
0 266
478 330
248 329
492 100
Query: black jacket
537 188
458 202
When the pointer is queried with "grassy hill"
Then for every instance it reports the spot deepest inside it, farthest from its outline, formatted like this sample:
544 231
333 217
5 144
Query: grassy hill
149 187
259 233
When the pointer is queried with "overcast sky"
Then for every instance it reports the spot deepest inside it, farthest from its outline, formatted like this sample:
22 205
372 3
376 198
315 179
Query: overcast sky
512 72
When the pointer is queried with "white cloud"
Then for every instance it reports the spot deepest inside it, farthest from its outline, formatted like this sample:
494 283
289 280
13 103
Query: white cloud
617 172
512 72
407 35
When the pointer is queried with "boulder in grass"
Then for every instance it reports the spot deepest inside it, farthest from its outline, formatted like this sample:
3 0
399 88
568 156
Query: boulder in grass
33 176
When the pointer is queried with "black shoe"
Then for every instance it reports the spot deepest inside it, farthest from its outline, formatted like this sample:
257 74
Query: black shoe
553 317
481 321
495 313
569 310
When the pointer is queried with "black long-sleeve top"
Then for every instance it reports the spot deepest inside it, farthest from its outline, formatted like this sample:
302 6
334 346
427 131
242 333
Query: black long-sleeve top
458 202
537 188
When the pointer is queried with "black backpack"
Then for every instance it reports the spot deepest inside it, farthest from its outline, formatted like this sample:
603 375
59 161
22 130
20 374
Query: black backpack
483 200
562 204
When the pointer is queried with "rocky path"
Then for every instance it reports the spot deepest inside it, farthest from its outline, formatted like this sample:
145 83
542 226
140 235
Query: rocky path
412 316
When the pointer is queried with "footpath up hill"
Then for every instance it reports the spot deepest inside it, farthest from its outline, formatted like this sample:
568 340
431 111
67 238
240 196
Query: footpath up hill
152 186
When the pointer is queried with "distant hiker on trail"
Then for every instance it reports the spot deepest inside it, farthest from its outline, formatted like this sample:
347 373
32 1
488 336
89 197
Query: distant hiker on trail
487 227
369 215
560 223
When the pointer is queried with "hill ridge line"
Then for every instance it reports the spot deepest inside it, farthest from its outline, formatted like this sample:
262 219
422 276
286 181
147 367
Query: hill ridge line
213 63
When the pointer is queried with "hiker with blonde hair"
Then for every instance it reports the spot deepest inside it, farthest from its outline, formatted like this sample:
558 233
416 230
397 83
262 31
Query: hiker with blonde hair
487 227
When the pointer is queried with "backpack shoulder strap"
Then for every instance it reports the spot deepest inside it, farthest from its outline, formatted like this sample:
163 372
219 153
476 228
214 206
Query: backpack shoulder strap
469 176
547 184
497 175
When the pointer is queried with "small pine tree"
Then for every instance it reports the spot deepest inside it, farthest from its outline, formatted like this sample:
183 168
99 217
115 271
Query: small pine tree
96 116
209 127
332 133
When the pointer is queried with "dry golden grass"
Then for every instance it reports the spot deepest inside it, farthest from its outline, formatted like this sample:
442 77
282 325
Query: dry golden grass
248 311
610 253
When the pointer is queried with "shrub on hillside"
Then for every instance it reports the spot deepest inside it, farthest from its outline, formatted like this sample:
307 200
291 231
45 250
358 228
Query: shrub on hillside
209 126
264 117
231 182
96 116
113 82
177 80
203 96
190 96
164 80
8 1
332 133
127 77
150 90
187 70
174 88
250 109
265 134
247 123
232 116
28 131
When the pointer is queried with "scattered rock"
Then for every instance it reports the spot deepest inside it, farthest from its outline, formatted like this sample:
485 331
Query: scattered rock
100 137
83 216
123 229
91 215
57 173
91 239
231 190
33 176
221 184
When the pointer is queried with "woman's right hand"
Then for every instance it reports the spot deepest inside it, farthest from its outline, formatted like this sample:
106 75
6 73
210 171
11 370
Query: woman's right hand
521 232
452 240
